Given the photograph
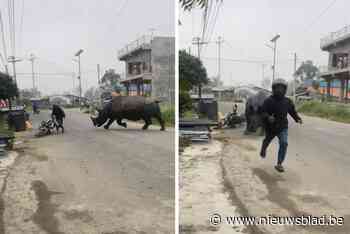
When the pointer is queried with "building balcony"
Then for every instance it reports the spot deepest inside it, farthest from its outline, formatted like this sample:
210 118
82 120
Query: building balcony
143 76
332 71
142 43
335 37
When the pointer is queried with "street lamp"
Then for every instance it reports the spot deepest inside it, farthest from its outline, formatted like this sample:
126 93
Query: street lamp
77 54
274 41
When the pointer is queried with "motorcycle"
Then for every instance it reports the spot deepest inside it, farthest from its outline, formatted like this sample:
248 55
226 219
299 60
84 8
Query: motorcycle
232 119
46 128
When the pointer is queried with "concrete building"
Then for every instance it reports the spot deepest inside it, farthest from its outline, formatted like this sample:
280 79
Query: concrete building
150 67
338 69
223 93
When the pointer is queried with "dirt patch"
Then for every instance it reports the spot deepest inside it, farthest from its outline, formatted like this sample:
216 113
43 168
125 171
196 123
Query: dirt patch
122 232
44 215
189 229
242 209
40 157
2 209
78 214
281 197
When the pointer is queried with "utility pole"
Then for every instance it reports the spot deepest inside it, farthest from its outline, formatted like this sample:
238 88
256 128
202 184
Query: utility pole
4 44
295 77
274 41
77 54
197 41
13 60
31 59
219 42
80 90
98 74
263 72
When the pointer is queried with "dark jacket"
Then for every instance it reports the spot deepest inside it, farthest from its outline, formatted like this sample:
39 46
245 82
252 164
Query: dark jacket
278 108
58 112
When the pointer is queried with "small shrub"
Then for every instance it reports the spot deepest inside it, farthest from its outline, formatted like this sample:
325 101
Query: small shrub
336 112
168 113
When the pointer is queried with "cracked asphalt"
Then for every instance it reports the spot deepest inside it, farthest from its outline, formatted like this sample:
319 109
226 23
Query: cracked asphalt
90 180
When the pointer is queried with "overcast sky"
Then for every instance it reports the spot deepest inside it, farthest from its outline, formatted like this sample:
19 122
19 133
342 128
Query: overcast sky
54 30
247 25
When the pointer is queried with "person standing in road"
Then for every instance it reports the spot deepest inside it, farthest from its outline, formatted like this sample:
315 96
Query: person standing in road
58 115
274 113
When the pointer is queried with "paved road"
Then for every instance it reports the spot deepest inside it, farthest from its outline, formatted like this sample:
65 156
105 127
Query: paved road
315 182
91 180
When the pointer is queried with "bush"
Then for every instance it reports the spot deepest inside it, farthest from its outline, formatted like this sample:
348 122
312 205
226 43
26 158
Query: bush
185 102
168 113
332 111
4 129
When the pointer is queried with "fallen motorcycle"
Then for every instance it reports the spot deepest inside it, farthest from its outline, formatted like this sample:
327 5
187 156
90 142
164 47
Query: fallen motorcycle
232 119
46 128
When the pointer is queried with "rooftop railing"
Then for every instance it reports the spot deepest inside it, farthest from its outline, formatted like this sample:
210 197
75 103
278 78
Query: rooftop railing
331 69
134 45
335 36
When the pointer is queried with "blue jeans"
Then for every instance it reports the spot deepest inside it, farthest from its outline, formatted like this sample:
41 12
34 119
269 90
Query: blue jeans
283 144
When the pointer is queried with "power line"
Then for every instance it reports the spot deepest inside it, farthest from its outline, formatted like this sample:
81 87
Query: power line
212 22
216 13
3 41
320 15
121 9
237 60
21 27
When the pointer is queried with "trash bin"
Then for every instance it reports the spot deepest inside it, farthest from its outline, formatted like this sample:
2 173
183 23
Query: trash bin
209 108
17 120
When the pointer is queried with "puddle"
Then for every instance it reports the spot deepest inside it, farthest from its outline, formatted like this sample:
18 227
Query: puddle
202 190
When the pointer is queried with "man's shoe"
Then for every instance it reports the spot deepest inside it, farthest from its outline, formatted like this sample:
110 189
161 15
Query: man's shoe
279 168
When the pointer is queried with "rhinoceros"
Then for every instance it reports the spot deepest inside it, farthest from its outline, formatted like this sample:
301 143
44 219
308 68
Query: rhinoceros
131 108
253 111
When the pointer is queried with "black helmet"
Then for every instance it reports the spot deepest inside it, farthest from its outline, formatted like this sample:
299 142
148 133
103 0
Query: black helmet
279 82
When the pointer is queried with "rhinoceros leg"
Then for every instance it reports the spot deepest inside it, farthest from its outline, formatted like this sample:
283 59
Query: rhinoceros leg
148 122
110 121
161 121
119 121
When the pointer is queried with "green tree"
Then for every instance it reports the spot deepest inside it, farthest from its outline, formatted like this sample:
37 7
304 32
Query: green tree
8 88
111 81
307 71
192 74
191 71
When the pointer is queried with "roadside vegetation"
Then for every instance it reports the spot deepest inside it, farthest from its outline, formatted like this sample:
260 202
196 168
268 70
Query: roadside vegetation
4 129
8 90
192 74
168 113
332 111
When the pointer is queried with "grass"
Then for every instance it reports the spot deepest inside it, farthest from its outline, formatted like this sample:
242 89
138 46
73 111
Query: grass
332 111
168 113
189 114
4 130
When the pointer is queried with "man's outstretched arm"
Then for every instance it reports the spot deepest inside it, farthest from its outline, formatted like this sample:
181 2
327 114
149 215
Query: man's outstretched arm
294 113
